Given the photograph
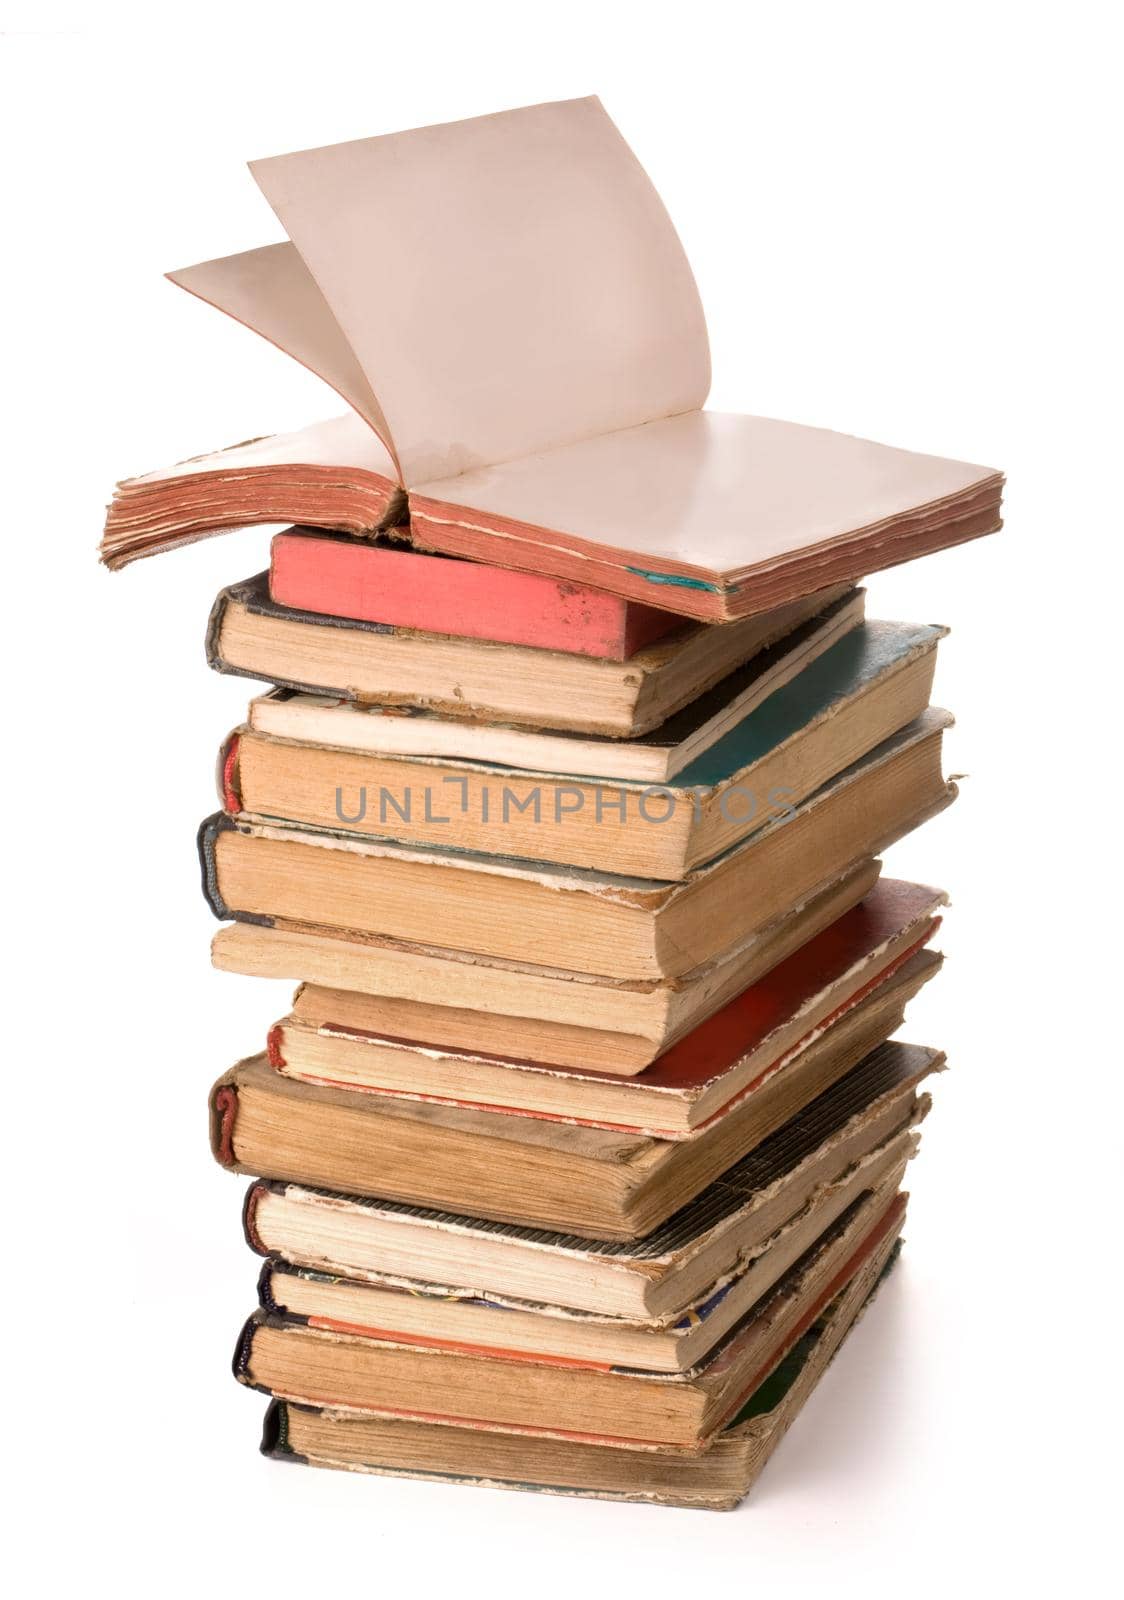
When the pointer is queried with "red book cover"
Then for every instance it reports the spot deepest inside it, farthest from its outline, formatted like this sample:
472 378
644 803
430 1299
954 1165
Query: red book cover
440 594
850 945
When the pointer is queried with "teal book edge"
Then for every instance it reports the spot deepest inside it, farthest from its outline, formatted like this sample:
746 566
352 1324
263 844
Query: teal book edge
846 670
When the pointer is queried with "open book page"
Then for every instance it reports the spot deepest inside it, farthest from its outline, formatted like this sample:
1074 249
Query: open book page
272 291
345 442
508 284
710 496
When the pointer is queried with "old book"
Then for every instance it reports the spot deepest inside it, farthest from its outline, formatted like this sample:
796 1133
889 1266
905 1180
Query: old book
519 1169
326 1039
447 1317
575 918
831 713
462 1001
336 468
251 636
716 1478
548 416
383 582
705 728
652 1279
620 1405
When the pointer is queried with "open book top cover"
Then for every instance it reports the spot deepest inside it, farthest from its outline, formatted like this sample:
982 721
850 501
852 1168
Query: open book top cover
505 303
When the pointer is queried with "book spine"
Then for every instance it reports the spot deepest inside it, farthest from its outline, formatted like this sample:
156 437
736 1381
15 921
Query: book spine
271 1307
244 1350
226 773
209 831
222 1117
266 1298
254 1195
275 1434
213 635
250 595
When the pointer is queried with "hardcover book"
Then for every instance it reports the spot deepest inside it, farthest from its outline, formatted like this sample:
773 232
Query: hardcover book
384 583
716 1478
325 1040
461 1000
251 636
521 1169
413 731
651 1279
626 1406
365 728
573 918
819 706
445 1317
539 408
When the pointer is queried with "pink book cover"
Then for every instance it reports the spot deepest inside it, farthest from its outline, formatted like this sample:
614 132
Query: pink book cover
440 594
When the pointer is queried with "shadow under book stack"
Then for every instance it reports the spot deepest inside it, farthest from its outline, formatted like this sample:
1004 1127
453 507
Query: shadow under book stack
581 1148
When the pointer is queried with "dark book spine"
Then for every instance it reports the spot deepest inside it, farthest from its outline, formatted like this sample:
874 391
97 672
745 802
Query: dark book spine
253 594
266 1297
214 632
242 1362
249 594
244 1351
275 1433
209 830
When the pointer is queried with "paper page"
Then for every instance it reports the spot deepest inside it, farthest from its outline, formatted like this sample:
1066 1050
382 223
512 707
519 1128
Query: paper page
508 284
712 493
272 291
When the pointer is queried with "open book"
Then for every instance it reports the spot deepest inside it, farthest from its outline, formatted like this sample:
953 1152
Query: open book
508 311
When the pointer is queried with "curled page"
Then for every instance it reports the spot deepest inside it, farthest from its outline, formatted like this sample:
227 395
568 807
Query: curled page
508 284
272 291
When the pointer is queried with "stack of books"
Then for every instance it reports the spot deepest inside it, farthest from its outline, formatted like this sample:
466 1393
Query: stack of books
581 1147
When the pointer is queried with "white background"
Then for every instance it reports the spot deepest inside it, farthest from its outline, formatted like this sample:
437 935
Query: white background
902 221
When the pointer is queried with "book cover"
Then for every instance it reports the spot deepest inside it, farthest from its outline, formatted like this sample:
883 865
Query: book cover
369 582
